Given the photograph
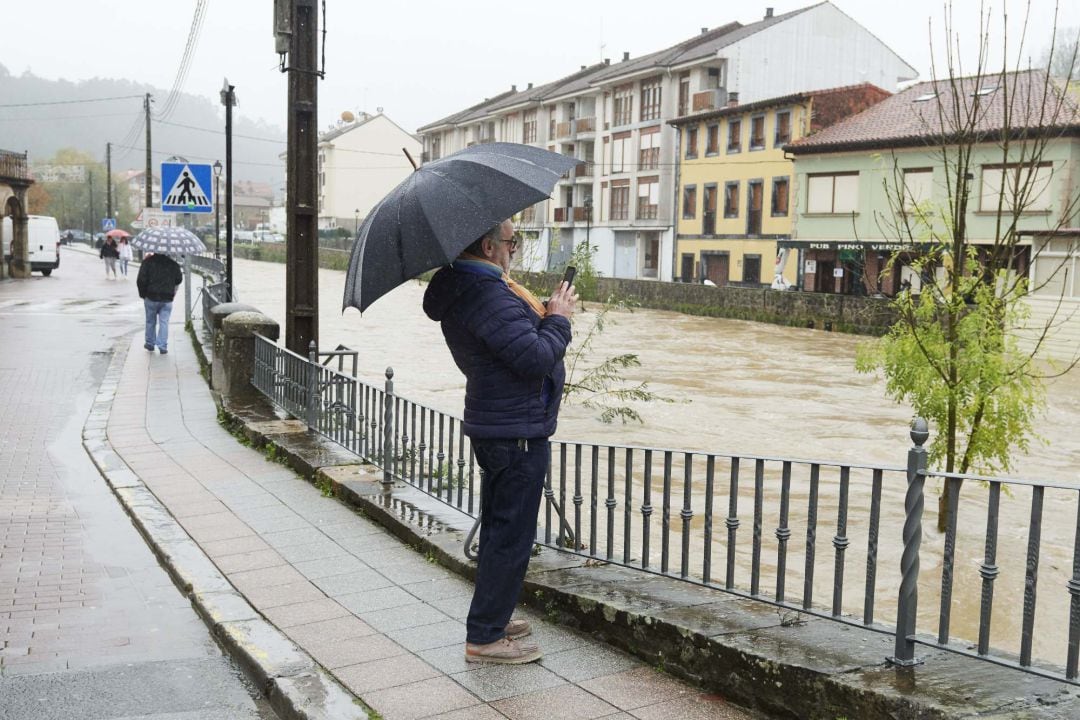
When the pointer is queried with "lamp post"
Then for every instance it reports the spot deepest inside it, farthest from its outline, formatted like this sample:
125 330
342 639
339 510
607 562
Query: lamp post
588 220
356 221
217 209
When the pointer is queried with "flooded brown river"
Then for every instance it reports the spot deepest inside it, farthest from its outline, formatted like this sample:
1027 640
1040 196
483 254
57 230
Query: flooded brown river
743 388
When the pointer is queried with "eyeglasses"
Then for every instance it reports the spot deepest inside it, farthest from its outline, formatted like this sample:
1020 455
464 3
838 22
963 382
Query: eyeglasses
512 242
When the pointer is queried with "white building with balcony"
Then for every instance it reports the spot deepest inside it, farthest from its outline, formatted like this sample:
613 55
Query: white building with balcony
360 161
614 118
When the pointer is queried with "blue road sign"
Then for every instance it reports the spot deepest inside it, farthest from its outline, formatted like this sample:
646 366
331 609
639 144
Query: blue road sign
187 187
108 224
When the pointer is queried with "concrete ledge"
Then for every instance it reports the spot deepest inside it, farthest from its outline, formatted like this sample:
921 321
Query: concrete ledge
289 678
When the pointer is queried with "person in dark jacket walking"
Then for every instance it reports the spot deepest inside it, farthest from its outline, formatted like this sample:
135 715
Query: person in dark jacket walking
109 254
158 279
510 348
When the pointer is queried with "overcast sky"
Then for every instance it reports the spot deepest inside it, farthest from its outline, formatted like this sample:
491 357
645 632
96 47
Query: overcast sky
424 59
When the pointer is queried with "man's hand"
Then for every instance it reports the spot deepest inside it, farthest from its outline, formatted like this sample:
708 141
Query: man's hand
563 301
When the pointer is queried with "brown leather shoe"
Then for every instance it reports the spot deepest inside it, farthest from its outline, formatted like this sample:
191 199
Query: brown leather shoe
518 628
503 651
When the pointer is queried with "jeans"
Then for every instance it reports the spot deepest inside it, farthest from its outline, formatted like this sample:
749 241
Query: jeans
512 484
157 322
123 267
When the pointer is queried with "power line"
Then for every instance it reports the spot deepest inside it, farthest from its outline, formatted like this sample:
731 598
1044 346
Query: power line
70 102
197 157
185 62
222 132
63 117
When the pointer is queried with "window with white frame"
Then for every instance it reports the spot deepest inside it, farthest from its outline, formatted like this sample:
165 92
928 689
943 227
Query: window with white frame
648 202
620 152
650 98
623 105
528 125
1054 265
832 193
1024 187
918 185
649 153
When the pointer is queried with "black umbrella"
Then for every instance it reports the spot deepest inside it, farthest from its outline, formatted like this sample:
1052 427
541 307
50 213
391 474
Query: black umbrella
441 208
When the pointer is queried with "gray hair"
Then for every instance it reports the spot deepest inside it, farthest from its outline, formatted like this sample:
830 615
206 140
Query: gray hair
477 246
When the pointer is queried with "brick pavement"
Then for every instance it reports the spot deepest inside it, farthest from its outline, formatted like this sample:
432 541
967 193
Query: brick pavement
90 624
383 620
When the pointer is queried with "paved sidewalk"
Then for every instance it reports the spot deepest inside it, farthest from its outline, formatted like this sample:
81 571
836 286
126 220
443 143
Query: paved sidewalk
90 624
384 621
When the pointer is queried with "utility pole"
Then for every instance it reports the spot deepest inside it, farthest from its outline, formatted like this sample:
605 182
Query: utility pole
149 172
108 180
228 99
90 179
301 27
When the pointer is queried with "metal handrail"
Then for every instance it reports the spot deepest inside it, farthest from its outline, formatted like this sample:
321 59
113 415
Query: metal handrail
702 517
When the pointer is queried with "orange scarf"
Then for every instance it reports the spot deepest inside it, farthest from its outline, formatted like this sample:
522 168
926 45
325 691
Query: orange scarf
518 289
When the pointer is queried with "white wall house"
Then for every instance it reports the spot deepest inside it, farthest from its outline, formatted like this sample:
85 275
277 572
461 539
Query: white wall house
614 117
359 163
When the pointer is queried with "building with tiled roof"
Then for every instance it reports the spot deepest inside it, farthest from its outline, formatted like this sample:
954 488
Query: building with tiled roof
874 192
614 116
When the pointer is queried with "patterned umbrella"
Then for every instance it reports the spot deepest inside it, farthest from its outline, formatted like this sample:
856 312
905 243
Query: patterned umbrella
169 241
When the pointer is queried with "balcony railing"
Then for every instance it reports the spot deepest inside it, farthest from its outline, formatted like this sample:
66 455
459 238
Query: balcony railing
13 166
647 212
581 214
564 130
585 124
560 214
584 170
709 100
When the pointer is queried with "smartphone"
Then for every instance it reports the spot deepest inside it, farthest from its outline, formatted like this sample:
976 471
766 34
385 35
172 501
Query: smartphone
568 278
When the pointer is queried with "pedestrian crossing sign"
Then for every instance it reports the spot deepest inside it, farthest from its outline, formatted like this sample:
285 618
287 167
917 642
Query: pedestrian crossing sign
190 189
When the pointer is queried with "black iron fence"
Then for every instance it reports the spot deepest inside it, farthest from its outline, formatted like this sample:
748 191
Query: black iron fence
805 536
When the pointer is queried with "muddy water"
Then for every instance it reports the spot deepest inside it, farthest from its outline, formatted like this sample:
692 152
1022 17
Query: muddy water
752 389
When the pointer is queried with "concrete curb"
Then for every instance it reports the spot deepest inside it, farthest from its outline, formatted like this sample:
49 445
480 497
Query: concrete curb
295 685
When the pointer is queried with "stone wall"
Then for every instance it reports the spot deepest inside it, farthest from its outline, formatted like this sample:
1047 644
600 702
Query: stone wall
844 313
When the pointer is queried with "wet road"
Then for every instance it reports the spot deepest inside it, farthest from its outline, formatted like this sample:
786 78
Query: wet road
748 388
90 625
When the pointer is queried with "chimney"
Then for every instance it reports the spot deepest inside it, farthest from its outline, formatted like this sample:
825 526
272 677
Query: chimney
582 67
513 88
607 61
768 13
733 99
625 56
530 87
704 30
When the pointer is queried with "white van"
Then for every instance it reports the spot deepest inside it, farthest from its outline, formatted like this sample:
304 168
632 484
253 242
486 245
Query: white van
43 239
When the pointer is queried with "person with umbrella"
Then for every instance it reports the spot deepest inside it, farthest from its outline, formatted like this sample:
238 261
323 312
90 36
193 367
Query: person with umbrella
159 276
450 213
510 348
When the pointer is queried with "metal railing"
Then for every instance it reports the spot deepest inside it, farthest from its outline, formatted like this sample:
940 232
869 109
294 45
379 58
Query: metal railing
805 536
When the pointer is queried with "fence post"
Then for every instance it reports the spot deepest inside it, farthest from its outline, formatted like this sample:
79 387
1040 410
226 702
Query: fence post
388 429
908 603
313 386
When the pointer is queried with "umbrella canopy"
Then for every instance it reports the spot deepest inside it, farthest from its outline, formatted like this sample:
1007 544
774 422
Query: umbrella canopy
441 208
118 233
168 240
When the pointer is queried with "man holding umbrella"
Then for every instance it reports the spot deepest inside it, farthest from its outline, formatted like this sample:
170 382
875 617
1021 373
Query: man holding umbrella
510 348
159 276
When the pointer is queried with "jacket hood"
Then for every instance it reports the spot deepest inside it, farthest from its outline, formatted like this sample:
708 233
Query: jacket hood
446 288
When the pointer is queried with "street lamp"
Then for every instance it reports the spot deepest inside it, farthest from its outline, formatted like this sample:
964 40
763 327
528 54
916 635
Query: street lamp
356 221
217 209
588 220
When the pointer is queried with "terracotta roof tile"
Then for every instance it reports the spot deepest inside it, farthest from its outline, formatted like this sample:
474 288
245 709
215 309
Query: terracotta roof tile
925 112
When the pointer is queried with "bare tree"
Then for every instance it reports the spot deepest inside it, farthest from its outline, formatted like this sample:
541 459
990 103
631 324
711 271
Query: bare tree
965 352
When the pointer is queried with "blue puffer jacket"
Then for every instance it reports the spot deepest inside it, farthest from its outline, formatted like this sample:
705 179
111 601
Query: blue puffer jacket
512 358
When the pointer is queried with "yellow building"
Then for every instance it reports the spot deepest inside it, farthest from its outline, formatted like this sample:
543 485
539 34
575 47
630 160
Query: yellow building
734 200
